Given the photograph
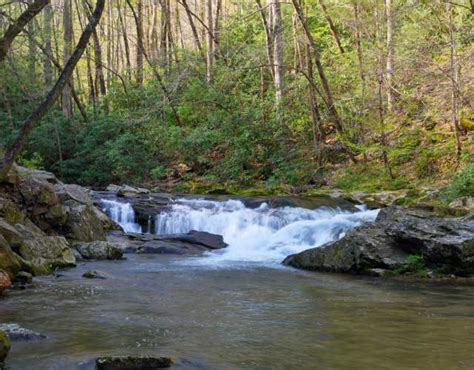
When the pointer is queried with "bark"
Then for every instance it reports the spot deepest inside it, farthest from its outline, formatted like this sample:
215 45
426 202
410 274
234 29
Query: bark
332 28
67 51
329 101
278 52
390 55
125 41
140 49
268 37
52 96
197 42
47 68
16 27
210 41
453 61
156 73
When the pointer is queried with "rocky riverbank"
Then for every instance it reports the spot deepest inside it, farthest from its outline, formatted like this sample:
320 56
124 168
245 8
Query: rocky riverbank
402 240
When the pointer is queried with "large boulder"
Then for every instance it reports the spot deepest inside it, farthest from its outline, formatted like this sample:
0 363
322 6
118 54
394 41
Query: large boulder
4 346
100 250
47 253
10 233
41 202
74 192
82 223
446 245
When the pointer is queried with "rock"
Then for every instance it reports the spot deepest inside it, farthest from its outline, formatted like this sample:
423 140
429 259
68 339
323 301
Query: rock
359 251
38 174
446 244
443 243
129 191
93 275
10 211
5 282
74 192
208 240
82 223
100 250
382 198
133 363
10 234
9 260
4 346
24 277
47 253
113 188
464 203
192 243
107 223
16 333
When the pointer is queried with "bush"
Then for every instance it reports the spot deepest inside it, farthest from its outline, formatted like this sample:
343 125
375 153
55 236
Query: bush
463 184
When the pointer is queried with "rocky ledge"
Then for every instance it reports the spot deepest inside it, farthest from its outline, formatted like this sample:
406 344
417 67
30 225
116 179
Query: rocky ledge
401 240
41 220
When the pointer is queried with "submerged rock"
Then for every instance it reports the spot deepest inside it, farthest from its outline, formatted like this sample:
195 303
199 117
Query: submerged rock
4 346
100 250
24 277
16 333
93 275
445 245
133 363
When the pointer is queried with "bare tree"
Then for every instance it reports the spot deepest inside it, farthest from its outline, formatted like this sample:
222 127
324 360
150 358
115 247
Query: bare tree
210 41
67 51
332 28
28 125
277 51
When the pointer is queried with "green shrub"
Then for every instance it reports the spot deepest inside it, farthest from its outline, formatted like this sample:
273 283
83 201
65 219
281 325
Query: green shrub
463 184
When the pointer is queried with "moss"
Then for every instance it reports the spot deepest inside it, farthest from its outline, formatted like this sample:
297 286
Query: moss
4 346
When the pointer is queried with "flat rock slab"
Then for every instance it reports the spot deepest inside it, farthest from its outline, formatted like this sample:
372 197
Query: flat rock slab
192 243
133 363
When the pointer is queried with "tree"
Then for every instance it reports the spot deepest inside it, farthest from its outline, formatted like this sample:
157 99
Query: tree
16 27
40 111
390 55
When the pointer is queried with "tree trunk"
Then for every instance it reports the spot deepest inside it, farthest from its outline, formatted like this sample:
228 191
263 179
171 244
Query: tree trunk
278 52
210 41
67 51
193 26
390 55
332 28
268 38
140 49
16 27
52 96
47 67
453 61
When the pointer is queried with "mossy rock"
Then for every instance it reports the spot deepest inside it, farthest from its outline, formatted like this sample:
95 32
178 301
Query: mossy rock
466 124
4 346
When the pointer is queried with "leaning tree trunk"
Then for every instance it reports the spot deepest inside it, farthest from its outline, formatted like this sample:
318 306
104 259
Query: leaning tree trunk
16 27
28 125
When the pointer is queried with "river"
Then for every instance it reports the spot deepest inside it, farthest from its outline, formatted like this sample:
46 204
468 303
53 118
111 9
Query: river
239 308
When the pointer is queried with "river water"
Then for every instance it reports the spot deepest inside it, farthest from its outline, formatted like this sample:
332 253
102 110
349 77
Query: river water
239 308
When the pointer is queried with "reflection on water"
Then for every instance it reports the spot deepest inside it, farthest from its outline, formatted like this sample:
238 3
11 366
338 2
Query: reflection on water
254 318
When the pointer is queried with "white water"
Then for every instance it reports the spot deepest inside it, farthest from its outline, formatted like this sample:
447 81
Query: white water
121 213
263 234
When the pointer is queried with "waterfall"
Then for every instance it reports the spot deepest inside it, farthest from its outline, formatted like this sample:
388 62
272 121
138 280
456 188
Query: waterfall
121 213
262 234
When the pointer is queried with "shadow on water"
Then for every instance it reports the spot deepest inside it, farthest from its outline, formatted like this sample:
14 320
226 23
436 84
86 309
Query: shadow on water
242 317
